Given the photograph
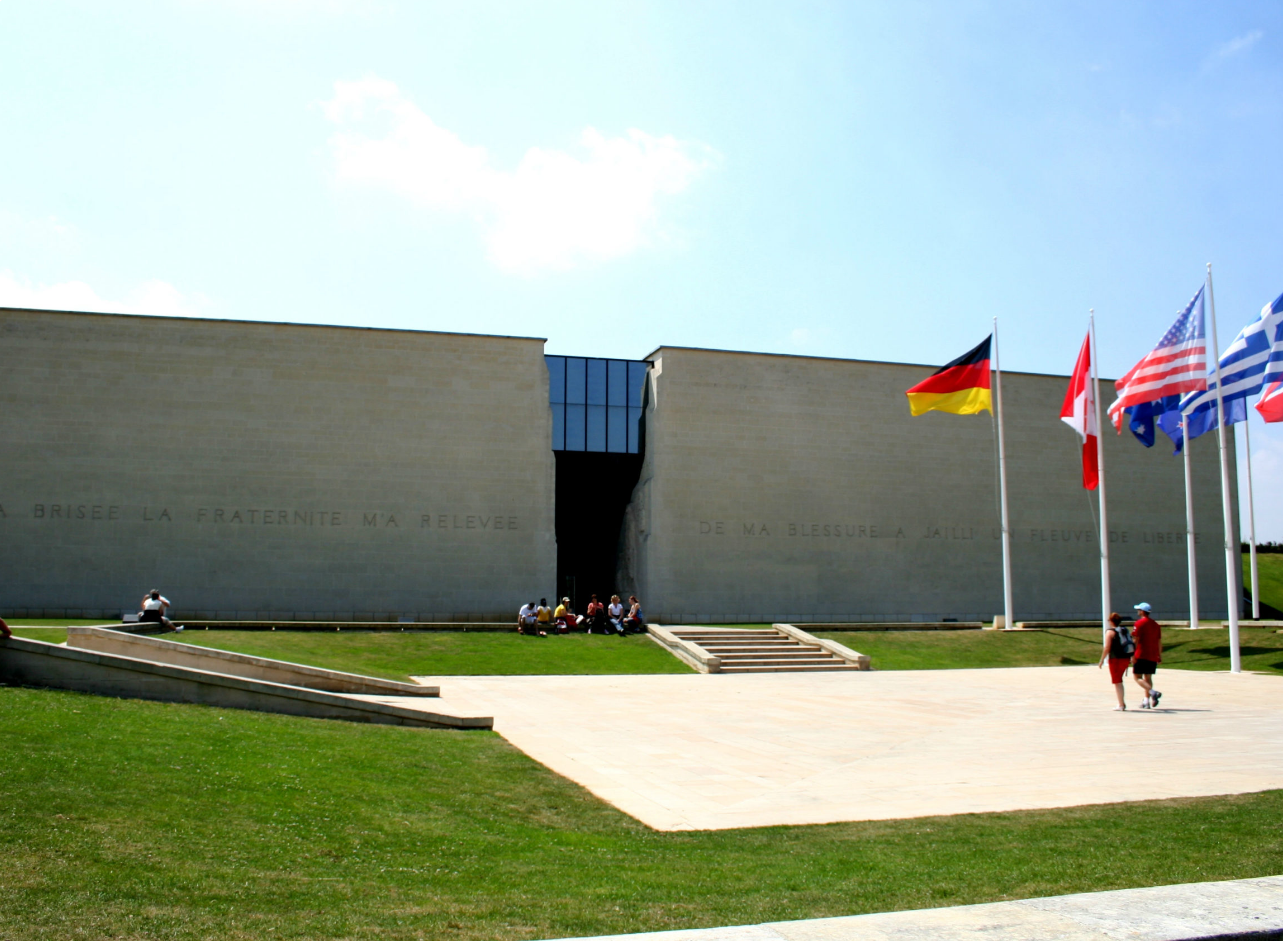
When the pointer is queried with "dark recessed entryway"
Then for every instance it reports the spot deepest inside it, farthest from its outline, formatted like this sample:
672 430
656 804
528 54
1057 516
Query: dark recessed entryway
597 439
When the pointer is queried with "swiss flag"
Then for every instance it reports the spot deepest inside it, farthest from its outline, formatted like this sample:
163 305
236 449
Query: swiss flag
1079 413
1271 404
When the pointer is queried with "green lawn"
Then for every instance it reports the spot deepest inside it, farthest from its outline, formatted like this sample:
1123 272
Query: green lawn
58 622
1269 570
1204 649
50 635
397 655
136 820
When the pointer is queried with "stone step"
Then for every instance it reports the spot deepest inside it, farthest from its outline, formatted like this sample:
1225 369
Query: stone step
732 648
776 655
784 661
790 668
755 637
763 652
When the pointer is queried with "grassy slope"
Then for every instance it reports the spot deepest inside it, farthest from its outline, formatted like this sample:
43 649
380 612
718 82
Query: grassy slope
191 822
50 635
397 655
1269 570
1206 649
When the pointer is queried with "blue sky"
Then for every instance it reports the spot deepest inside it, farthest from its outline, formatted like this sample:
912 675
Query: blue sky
867 181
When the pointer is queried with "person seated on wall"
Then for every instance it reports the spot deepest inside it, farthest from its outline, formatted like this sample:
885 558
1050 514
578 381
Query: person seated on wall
595 617
635 621
543 614
616 613
528 620
154 607
565 617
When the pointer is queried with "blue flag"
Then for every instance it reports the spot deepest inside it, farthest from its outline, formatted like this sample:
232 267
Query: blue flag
1251 360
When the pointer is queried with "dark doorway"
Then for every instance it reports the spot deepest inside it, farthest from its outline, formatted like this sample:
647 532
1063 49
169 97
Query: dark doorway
593 490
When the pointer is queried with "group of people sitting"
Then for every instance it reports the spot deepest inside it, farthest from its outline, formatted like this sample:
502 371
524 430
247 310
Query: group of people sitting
614 618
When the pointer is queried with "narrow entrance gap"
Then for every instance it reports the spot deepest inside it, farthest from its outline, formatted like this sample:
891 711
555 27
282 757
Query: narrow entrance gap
597 440
593 491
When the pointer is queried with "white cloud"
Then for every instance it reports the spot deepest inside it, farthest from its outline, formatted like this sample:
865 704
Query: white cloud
553 211
1238 44
155 298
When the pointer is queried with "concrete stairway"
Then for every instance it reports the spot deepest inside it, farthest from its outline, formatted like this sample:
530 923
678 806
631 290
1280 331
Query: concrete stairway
761 651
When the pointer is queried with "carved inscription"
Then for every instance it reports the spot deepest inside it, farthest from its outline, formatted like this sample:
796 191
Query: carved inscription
235 516
82 511
466 521
229 516
759 529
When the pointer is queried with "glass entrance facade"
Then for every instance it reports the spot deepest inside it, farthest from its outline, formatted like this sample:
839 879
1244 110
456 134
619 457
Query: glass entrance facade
596 403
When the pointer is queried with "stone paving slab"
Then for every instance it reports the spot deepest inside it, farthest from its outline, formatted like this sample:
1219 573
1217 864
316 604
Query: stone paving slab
1245 908
696 751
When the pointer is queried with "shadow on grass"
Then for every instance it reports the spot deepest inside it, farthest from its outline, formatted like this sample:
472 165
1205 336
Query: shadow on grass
1223 653
1089 641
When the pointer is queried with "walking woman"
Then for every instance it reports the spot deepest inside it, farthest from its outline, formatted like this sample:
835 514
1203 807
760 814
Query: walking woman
1118 650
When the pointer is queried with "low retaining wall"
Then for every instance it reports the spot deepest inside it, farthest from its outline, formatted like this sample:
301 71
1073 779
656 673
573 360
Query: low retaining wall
237 664
287 625
36 663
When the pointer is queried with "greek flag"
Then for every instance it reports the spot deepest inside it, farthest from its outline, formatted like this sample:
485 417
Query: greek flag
1253 360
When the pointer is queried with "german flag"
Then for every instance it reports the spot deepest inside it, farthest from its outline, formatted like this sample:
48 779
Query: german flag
960 387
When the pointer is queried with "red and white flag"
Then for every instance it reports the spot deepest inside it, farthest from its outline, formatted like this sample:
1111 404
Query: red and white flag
1271 403
1079 413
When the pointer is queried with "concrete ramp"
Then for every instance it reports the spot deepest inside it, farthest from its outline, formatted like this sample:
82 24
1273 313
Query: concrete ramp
36 663
237 664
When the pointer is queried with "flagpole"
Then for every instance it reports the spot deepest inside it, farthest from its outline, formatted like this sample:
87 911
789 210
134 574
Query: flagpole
1190 541
1251 516
1106 594
1231 576
1008 623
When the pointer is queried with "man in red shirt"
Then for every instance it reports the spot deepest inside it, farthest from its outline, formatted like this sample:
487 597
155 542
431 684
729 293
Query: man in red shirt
1149 653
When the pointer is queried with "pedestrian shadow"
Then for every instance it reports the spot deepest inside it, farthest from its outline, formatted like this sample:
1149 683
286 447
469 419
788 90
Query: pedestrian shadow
1166 709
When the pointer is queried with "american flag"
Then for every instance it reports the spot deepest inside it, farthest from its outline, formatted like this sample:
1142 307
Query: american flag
1177 365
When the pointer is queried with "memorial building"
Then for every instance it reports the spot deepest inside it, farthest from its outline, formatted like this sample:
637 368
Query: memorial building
270 470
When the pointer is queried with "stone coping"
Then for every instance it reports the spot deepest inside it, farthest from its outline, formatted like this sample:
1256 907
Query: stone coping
287 625
1225 911
103 640
64 668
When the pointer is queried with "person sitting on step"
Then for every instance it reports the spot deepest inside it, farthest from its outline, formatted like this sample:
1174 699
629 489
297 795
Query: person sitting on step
543 614
528 621
154 607
616 614
635 621
565 617
595 618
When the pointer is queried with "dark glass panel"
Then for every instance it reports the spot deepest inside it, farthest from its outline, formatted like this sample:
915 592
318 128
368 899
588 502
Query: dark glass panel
618 382
634 430
574 427
617 429
556 378
558 427
596 428
596 382
574 382
636 381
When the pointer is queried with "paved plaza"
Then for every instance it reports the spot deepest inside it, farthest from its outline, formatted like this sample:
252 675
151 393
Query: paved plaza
1245 908
682 752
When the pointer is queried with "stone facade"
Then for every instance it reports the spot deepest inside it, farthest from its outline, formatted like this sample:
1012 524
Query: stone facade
782 488
256 470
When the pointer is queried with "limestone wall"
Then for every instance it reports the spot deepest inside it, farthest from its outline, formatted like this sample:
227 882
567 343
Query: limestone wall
251 469
798 489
